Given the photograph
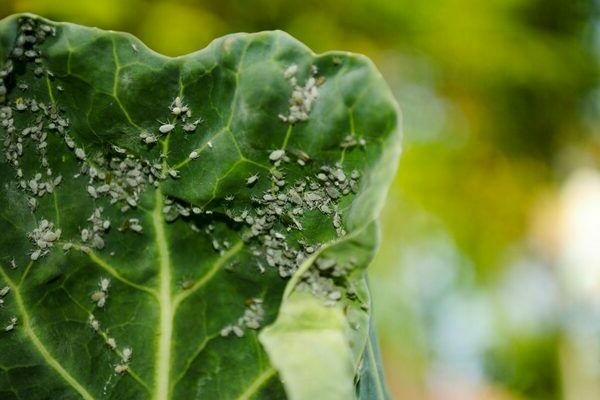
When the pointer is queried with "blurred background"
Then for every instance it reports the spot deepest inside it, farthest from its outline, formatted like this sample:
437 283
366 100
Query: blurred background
487 284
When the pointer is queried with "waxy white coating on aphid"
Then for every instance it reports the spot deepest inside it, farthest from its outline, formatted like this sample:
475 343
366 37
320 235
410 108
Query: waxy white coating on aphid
97 296
80 153
121 368
166 128
104 284
4 291
94 323
11 325
193 155
251 179
276 155
127 353
111 342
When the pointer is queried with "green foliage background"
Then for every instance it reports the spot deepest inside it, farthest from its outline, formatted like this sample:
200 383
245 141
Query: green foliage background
500 101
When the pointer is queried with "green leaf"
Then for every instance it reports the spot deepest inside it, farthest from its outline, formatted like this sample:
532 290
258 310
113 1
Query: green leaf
159 212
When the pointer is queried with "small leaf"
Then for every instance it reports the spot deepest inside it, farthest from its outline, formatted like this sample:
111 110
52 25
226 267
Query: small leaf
308 347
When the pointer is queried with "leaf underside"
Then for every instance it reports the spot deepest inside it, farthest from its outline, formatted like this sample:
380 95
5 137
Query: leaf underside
159 212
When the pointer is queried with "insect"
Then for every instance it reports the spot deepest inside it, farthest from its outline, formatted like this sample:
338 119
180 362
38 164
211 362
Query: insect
99 297
4 291
148 138
36 254
209 144
127 353
111 342
229 197
276 155
303 157
11 325
94 323
251 180
193 155
134 47
121 368
80 153
166 128
104 284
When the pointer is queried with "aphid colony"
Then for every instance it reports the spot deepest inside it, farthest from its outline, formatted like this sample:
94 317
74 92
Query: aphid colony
126 353
303 97
31 34
42 181
251 319
320 280
180 112
93 236
43 237
120 177
101 295
4 291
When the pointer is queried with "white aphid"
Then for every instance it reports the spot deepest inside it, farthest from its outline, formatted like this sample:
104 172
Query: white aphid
104 284
121 368
166 128
276 155
251 179
209 144
80 153
127 353
290 71
111 342
11 325
94 323
193 155
4 291
99 297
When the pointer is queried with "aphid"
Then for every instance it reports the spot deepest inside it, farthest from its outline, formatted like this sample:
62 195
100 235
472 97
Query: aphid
174 173
166 128
99 297
148 138
80 153
35 255
237 331
209 144
92 192
276 155
229 197
104 284
13 264
134 47
290 71
11 325
186 284
121 368
127 353
112 343
193 155
134 225
4 291
251 180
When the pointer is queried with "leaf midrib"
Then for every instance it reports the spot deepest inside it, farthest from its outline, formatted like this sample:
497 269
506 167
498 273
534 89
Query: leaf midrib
163 355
